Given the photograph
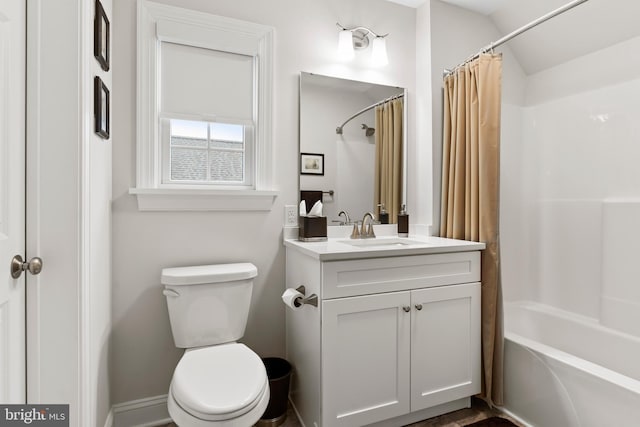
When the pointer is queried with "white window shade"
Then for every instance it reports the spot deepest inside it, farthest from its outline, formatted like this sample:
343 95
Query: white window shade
195 82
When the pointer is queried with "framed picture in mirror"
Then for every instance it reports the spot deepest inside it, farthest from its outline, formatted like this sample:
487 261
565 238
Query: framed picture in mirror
311 164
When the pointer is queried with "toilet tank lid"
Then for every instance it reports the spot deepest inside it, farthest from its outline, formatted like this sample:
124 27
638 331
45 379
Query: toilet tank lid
208 273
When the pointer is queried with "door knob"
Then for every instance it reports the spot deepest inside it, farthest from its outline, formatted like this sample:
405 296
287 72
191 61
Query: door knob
406 308
33 266
418 307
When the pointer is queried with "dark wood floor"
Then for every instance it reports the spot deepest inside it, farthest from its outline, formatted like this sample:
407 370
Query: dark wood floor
463 417
478 411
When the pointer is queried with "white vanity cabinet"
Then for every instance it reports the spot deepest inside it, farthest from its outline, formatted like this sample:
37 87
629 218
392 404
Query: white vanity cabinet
366 351
394 339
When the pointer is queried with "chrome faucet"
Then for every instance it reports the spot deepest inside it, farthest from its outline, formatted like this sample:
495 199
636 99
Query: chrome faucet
364 232
367 232
347 219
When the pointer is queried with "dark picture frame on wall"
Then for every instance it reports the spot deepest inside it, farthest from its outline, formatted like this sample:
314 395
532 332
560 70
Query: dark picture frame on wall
101 107
101 38
311 164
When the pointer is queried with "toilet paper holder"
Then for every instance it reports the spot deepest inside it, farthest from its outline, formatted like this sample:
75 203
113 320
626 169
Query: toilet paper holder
311 299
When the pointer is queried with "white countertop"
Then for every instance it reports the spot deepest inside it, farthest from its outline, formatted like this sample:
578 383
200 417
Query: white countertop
344 248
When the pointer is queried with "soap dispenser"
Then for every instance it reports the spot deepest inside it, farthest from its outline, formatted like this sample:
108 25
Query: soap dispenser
383 217
403 222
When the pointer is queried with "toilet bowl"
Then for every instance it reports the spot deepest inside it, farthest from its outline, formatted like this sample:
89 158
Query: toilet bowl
217 382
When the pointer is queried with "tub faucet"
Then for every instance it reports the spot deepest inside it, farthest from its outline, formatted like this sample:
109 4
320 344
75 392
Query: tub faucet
367 232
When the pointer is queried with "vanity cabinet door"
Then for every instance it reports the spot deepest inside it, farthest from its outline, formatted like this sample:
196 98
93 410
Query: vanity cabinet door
365 358
445 347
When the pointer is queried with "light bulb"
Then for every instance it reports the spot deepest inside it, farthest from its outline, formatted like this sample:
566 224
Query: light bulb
345 44
379 52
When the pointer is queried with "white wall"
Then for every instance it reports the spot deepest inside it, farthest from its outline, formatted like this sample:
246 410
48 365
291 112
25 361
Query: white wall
68 214
97 165
144 242
420 194
450 45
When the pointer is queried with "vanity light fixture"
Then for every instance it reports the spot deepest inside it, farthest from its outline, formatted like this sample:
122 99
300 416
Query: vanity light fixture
350 39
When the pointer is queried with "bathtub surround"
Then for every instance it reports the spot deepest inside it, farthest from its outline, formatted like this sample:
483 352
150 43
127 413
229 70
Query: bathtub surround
470 188
569 228
552 380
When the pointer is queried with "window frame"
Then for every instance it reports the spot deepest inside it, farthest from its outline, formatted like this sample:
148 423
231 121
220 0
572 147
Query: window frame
159 23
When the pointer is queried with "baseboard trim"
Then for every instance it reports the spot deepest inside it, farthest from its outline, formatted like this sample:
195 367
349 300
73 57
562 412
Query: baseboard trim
109 421
147 412
514 416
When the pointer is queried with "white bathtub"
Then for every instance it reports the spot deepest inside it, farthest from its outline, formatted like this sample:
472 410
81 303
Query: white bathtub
564 370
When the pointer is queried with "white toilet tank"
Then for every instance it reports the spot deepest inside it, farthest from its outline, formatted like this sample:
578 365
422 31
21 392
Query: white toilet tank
208 304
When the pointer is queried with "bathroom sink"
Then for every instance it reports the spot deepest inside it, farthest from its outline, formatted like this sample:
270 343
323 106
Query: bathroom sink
376 242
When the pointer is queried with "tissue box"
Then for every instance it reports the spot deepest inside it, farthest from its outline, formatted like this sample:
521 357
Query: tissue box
312 228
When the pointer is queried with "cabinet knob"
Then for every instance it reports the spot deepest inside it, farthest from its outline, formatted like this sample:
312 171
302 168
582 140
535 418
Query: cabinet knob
418 307
406 308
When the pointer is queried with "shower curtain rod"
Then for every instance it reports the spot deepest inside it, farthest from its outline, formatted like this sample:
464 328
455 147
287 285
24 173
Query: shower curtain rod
517 32
364 110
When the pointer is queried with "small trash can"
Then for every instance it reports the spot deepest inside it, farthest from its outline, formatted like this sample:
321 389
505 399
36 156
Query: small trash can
279 374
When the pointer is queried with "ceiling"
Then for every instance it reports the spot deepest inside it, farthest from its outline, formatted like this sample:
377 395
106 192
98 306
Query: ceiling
481 6
410 3
591 26
485 7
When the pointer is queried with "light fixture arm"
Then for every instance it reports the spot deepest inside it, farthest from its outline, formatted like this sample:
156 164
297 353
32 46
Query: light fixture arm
364 30
354 38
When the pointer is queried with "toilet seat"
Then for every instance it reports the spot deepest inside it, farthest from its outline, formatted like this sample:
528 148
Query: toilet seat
185 419
221 382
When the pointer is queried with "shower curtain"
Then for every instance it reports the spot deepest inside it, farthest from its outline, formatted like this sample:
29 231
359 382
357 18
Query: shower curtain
388 160
470 191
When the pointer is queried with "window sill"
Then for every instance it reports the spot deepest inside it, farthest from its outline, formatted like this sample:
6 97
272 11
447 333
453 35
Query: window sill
161 199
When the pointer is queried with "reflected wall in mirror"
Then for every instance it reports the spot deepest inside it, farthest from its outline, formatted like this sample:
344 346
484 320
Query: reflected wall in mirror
366 163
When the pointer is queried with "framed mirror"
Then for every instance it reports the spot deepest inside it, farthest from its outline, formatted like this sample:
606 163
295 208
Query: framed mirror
358 130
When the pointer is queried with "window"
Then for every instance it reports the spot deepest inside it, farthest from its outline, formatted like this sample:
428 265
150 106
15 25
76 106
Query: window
208 153
204 83
204 111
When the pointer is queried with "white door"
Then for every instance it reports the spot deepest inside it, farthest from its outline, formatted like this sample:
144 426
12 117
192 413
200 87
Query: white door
445 344
365 358
12 201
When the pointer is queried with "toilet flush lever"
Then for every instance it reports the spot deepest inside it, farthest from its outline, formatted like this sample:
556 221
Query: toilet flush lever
170 293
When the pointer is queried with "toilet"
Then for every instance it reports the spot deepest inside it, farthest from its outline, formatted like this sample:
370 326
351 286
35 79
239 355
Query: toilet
217 382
